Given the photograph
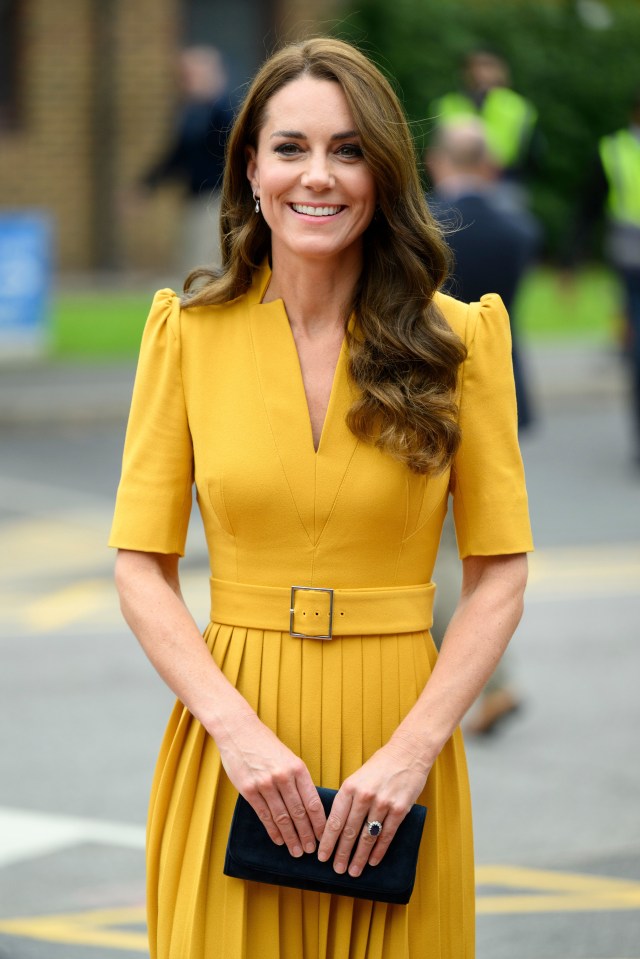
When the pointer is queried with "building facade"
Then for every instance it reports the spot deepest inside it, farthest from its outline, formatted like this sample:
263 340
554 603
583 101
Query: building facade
88 95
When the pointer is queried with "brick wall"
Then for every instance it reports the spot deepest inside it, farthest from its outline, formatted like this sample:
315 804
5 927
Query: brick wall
49 160
71 112
43 163
148 39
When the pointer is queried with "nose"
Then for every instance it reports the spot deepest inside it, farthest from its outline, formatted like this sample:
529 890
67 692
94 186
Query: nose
317 175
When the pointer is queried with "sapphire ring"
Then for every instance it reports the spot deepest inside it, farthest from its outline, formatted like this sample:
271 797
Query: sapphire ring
374 828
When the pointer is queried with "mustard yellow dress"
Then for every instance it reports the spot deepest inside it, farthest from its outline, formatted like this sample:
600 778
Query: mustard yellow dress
219 399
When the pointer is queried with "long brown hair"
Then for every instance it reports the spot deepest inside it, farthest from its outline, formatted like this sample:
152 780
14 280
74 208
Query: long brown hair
403 356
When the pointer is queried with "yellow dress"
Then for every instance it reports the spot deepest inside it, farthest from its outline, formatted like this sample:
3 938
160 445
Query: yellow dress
219 399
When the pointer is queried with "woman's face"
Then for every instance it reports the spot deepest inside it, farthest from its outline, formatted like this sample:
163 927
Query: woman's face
316 192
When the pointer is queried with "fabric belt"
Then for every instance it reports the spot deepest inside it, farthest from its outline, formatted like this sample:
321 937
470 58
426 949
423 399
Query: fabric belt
317 612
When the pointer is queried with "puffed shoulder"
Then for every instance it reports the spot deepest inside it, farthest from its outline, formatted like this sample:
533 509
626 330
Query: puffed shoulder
487 337
486 319
488 323
164 314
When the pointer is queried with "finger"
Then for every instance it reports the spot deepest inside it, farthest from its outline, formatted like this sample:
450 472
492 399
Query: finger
351 833
336 820
263 812
313 805
283 821
296 808
372 849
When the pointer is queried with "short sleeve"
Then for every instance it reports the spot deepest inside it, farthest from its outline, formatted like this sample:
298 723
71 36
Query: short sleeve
490 504
153 503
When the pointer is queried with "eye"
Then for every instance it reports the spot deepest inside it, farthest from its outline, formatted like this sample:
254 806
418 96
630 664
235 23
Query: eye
351 151
287 149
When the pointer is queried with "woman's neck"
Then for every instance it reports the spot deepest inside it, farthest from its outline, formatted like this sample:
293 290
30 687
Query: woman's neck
317 294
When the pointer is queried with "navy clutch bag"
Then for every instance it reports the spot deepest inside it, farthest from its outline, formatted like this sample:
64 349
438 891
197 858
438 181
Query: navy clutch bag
252 855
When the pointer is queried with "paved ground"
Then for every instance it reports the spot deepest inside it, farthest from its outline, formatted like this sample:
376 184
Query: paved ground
556 790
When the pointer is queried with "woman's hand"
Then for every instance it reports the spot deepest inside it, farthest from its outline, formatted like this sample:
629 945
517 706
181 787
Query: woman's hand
383 790
275 782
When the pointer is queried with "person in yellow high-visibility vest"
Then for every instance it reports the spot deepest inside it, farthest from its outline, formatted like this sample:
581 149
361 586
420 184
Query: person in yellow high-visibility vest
509 119
612 191
510 127
619 155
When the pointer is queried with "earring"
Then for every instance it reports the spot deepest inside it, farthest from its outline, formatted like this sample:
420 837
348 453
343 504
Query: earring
257 199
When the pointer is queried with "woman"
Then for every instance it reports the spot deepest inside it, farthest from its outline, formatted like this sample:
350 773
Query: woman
317 393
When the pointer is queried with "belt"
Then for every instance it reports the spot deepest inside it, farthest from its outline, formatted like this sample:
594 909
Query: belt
317 612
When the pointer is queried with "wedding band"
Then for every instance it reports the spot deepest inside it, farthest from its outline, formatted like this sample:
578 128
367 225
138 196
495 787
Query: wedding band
374 828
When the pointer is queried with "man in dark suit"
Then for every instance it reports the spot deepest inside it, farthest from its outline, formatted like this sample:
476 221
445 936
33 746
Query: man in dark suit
492 247
492 250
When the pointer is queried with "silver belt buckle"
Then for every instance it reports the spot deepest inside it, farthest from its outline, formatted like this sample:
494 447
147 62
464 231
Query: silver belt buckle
311 589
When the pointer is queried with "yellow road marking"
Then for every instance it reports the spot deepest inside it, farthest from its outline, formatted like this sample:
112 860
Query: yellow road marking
521 877
97 928
69 605
66 544
85 601
533 891
549 891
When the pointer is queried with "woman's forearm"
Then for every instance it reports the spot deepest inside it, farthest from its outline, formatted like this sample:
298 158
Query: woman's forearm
263 769
485 619
152 605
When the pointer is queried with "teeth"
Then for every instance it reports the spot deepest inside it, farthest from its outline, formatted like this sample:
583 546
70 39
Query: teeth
316 210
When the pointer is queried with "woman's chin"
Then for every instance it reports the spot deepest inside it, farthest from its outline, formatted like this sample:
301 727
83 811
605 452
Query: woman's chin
317 248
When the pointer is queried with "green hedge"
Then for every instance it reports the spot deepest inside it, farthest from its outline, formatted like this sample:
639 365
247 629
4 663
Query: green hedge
581 78
104 325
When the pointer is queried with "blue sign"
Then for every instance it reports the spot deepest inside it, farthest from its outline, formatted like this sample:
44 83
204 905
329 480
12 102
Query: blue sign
25 279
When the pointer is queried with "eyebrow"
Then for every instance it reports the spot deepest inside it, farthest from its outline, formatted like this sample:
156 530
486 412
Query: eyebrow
298 135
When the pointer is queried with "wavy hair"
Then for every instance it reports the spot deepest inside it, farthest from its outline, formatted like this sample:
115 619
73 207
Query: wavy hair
404 357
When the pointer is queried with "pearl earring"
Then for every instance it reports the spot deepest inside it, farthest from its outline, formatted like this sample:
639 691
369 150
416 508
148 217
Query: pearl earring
257 199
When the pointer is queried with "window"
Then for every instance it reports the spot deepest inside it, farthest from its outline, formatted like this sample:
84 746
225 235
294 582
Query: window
10 44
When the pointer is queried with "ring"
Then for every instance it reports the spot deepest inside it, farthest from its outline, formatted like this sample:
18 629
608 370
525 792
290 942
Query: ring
374 828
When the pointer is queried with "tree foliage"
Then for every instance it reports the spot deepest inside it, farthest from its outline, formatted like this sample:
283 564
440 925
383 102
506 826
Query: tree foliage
576 60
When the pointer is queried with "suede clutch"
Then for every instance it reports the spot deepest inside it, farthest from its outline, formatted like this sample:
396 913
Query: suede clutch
252 855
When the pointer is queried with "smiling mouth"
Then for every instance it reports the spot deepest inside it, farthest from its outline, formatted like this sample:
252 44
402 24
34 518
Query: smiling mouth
316 210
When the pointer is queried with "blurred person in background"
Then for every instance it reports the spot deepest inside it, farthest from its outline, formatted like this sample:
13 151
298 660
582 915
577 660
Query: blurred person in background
325 396
492 252
612 192
492 248
194 157
510 125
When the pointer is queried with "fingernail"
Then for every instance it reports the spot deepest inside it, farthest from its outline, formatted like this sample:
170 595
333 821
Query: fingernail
310 847
297 851
339 867
354 871
374 862
322 856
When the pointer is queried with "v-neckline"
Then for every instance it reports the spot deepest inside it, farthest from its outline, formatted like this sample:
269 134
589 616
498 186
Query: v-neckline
314 477
260 287
293 359
337 371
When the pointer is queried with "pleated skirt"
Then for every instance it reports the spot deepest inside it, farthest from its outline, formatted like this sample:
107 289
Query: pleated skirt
334 704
